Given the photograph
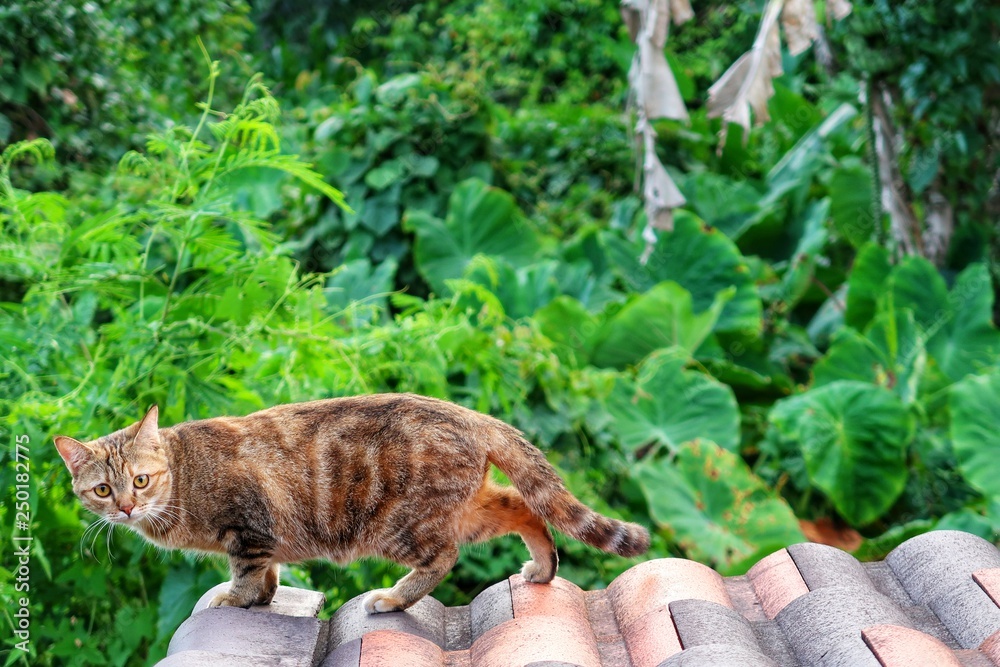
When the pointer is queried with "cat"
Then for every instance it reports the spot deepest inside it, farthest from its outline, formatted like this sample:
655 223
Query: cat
397 476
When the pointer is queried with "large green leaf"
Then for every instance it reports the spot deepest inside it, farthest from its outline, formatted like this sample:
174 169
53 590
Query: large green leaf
667 405
974 404
662 317
481 220
967 342
567 323
917 285
719 512
853 437
703 261
810 228
871 268
851 202
891 354
729 205
957 326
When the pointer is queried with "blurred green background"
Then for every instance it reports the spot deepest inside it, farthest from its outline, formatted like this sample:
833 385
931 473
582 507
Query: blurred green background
439 198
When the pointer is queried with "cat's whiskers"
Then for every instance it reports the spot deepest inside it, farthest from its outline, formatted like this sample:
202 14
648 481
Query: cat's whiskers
83 538
167 516
110 540
96 527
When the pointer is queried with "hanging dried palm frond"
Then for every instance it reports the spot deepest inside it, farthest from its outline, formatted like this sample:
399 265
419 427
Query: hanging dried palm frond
798 18
747 86
838 9
655 95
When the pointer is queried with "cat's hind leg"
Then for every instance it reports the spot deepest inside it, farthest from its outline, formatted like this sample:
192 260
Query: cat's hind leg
499 510
424 578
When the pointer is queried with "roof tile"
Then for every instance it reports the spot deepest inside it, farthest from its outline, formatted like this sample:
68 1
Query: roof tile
699 622
896 646
529 639
931 564
347 654
652 639
610 643
202 658
649 586
777 582
989 580
491 608
824 626
250 634
559 598
821 566
932 602
393 648
717 655
968 613
426 619
287 601
991 647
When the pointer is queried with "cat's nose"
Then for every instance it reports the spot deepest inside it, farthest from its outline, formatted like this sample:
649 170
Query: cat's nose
127 509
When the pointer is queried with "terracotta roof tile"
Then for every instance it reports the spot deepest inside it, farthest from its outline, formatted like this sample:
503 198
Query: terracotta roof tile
652 638
534 639
896 646
392 648
654 584
932 602
777 582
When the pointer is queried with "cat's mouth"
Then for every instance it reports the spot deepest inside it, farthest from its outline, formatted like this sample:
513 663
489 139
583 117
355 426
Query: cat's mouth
121 517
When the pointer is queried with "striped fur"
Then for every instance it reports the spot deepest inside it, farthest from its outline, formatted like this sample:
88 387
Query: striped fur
396 476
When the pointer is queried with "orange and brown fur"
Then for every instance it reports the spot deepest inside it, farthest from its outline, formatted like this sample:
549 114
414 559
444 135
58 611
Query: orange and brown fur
398 476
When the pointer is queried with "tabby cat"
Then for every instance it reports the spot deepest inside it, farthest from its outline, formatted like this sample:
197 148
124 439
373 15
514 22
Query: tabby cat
397 476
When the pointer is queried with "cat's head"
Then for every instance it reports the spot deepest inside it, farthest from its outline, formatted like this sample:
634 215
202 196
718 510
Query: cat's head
122 477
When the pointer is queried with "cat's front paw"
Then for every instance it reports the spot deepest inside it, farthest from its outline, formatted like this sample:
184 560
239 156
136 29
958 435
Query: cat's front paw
380 602
537 574
227 600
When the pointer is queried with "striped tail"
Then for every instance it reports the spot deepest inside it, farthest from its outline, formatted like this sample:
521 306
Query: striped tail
546 496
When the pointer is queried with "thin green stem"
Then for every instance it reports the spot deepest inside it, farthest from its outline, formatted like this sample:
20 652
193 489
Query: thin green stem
213 74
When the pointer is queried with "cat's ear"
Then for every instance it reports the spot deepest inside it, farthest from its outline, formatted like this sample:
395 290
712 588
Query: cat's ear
73 452
148 433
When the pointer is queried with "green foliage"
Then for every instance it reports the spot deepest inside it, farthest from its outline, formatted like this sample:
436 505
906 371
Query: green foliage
767 361
853 438
975 429
666 405
940 63
480 221
715 508
94 75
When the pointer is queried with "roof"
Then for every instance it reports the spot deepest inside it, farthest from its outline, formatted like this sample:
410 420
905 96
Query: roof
932 601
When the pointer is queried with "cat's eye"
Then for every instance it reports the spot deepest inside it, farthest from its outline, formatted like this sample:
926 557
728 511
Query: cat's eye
102 490
141 481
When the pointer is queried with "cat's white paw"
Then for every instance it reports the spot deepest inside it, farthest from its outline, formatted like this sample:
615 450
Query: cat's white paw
536 574
223 600
380 602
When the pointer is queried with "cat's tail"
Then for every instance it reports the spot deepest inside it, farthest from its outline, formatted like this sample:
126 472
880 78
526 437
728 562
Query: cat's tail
546 496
